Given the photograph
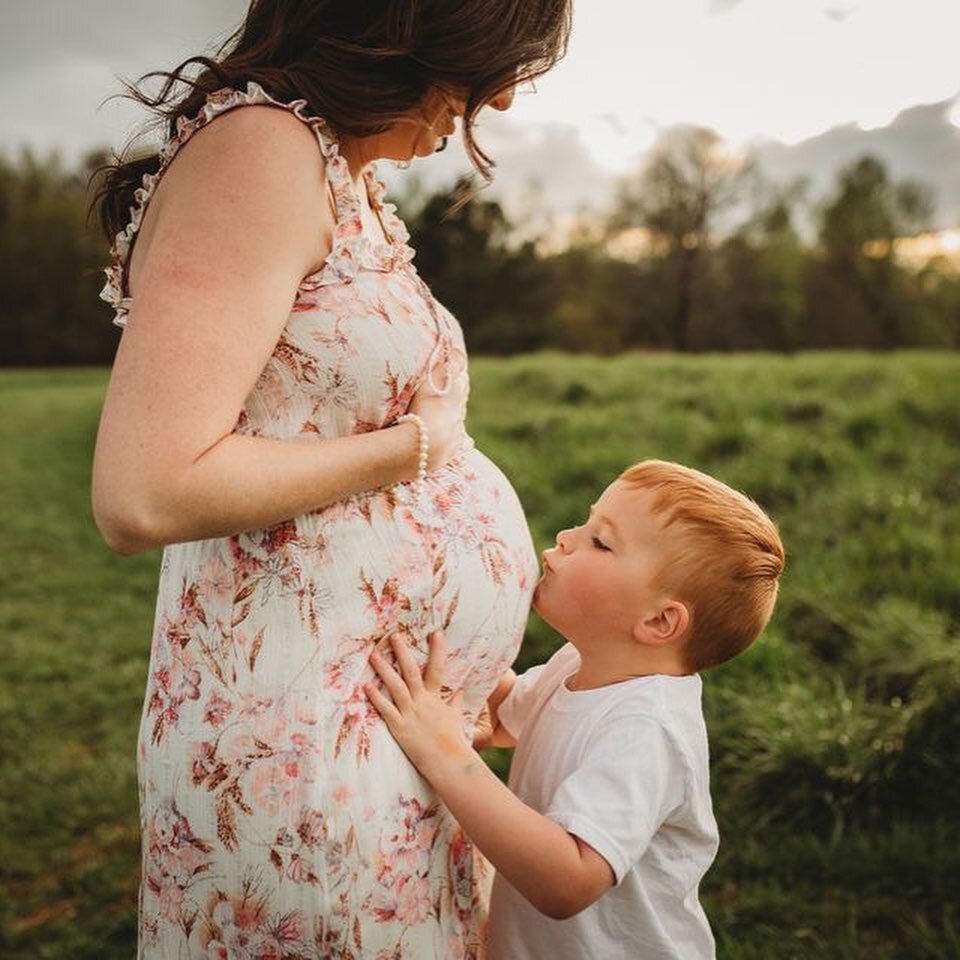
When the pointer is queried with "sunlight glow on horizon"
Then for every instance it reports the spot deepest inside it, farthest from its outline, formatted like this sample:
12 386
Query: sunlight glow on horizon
950 241
925 247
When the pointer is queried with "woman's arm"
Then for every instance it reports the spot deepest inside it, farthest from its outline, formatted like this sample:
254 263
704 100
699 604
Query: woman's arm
240 217
556 871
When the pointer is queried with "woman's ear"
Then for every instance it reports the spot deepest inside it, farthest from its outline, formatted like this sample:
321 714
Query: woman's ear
665 626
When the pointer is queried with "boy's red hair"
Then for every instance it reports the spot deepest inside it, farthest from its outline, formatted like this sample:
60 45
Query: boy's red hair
725 563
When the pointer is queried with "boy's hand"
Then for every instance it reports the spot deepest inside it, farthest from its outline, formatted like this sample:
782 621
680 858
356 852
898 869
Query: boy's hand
483 729
426 727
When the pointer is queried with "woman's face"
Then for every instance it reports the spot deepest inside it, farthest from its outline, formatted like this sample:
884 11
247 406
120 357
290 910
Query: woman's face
426 130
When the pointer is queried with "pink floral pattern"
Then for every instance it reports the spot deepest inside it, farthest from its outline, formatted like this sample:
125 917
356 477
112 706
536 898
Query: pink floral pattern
280 820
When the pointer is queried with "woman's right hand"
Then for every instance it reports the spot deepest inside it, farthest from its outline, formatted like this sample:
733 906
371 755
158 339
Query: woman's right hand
444 412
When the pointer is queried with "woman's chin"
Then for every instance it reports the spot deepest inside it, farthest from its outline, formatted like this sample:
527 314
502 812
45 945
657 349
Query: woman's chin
427 150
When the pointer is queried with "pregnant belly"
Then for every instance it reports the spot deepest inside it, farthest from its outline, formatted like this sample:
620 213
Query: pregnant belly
457 555
288 616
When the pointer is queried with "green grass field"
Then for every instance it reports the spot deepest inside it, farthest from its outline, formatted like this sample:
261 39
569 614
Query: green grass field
836 739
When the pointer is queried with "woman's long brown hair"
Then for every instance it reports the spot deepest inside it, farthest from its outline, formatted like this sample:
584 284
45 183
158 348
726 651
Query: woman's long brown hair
362 65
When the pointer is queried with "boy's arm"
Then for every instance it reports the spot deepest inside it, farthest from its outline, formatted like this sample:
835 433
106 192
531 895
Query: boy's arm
556 871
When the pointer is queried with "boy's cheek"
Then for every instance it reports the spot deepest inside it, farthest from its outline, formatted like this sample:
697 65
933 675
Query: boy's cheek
583 592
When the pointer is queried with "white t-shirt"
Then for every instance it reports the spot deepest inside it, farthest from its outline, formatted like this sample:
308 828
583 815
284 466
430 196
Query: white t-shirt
625 768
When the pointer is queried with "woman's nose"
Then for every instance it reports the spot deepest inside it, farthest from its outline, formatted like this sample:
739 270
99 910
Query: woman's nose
503 99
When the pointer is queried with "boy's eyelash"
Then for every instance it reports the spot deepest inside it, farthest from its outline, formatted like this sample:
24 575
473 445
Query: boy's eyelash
599 544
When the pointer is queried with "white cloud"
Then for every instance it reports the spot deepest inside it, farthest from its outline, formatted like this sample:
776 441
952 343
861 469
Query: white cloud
782 69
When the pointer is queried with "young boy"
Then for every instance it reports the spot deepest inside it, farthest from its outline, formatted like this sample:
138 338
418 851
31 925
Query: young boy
607 828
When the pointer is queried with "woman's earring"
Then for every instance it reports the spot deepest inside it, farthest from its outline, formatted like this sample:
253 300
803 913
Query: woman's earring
402 164
441 145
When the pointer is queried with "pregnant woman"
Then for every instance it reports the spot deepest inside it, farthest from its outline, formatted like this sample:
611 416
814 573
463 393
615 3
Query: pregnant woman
285 418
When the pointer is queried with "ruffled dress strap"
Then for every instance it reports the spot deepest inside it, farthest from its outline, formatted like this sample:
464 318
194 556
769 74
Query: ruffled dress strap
350 249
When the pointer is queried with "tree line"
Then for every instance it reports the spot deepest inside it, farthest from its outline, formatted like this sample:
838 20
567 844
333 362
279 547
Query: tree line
697 253
721 260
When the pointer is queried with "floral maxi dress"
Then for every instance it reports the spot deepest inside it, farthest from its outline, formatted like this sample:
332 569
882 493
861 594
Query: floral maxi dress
279 818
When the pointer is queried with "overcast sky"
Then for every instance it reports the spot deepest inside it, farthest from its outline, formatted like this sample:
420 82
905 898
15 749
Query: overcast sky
818 76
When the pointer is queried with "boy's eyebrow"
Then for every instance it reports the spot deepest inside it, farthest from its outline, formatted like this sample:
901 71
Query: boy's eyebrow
605 521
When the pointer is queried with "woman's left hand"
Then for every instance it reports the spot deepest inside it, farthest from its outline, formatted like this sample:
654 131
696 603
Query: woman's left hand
426 726
443 410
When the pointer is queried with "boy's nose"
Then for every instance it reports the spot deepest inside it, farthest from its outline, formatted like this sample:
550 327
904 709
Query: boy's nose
563 541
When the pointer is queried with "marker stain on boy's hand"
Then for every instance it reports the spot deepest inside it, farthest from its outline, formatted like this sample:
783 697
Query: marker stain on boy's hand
447 744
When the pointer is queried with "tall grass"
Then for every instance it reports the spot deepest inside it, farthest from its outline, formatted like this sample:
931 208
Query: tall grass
835 740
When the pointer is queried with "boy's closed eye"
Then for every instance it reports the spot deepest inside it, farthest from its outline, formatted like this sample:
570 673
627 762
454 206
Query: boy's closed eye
603 532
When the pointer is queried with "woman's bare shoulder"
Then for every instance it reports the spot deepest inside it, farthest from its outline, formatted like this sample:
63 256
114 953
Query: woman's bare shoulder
255 178
253 142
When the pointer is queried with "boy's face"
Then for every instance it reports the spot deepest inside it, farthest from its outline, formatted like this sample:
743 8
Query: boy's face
598 581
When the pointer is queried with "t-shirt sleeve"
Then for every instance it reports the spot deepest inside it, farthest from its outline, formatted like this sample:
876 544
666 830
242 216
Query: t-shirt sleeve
631 779
515 707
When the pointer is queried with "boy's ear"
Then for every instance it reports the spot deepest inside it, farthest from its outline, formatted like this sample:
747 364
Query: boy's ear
665 626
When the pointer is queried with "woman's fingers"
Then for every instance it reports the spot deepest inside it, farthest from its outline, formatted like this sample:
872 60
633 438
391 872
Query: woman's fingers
463 390
448 374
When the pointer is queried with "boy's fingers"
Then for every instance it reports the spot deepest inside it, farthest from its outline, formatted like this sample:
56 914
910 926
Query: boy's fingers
433 676
391 680
408 666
